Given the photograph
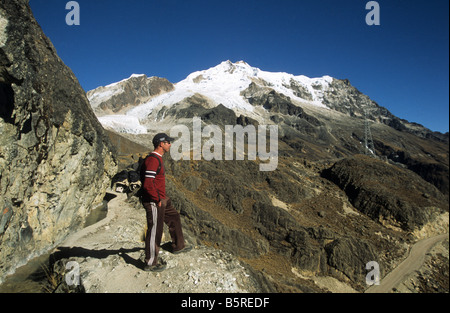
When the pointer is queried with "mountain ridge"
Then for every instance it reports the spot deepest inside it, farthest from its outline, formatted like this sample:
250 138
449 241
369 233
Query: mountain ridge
334 127
231 84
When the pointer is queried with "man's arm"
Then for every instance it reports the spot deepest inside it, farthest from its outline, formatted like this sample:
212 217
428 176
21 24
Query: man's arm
151 167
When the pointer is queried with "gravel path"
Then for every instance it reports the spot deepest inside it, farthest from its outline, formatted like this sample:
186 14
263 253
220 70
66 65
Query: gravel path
411 264
109 256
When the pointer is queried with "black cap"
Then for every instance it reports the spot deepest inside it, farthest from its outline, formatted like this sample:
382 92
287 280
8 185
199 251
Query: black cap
161 137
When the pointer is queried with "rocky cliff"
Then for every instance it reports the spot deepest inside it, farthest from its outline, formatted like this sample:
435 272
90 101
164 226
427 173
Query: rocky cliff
55 160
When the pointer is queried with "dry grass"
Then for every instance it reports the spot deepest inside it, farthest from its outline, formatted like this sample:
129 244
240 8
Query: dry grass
53 280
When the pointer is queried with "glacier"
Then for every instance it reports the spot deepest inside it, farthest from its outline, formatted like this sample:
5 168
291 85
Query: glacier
222 84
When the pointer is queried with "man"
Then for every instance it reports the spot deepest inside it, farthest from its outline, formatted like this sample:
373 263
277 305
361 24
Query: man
158 206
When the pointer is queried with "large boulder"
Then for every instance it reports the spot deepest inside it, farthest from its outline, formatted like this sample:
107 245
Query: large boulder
55 160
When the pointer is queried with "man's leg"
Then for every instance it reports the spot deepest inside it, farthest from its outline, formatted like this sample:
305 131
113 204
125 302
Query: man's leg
155 218
173 221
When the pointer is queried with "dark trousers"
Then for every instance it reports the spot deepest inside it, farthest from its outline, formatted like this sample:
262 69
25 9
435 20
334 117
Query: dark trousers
156 217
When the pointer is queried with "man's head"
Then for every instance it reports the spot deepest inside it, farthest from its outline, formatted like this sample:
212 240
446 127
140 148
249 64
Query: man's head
162 140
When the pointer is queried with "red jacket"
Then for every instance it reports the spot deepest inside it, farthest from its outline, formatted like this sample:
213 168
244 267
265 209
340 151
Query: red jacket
153 172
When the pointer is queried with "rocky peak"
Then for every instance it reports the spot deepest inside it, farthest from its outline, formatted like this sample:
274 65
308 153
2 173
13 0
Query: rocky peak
130 92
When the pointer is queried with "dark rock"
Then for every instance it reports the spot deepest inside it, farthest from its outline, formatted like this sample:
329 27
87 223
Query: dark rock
349 256
245 120
271 100
208 229
279 227
219 115
197 106
192 183
432 169
387 193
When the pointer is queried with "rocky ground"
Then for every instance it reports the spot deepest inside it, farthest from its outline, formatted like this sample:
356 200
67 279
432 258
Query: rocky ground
110 253
109 256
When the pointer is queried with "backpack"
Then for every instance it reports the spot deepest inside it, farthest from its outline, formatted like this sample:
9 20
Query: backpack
139 170
120 182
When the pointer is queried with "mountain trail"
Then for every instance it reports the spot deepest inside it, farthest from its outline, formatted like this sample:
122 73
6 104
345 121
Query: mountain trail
109 257
409 266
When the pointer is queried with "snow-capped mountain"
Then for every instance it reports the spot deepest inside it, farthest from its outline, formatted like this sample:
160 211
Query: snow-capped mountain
223 84
102 94
317 118
134 104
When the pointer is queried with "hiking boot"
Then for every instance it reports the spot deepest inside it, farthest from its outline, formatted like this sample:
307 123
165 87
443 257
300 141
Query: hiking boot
185 249
155 268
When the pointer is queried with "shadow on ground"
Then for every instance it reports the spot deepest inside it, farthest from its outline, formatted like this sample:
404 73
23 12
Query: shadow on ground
69 252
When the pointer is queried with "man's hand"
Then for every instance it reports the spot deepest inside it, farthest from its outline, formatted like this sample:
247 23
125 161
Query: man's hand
163 201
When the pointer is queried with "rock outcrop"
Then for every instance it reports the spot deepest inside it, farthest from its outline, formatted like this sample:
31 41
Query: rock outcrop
388 194
55 160
128 93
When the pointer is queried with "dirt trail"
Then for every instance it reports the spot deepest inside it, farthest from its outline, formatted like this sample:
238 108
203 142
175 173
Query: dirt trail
411 264
110 258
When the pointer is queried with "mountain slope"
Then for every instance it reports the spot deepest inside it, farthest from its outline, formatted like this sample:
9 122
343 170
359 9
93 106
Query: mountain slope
321 118
132 91
325 211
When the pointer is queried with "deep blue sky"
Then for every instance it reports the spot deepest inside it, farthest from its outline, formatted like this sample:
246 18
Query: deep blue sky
403 64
